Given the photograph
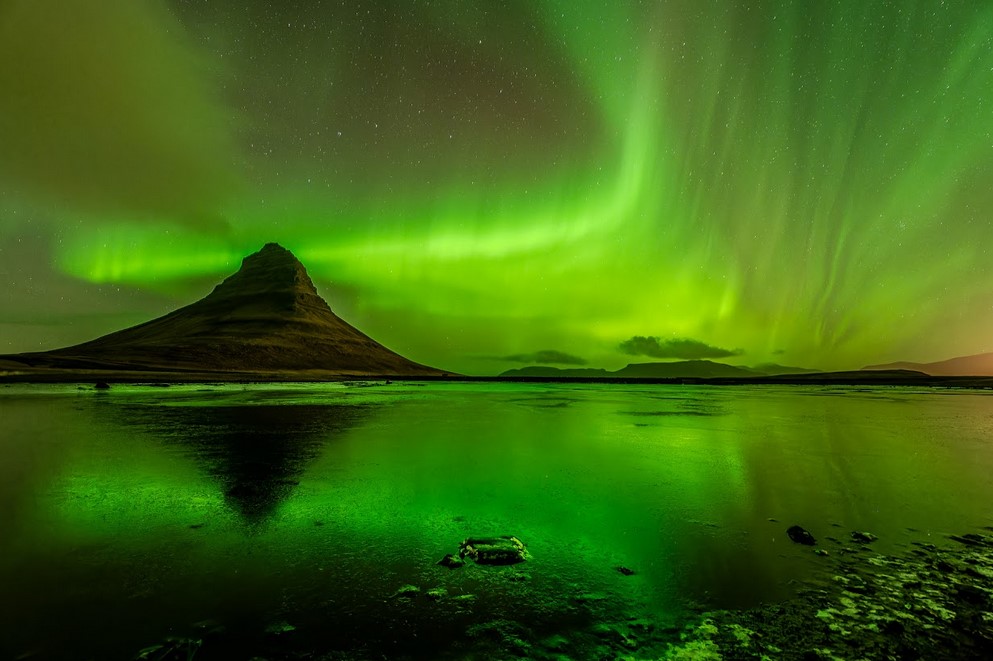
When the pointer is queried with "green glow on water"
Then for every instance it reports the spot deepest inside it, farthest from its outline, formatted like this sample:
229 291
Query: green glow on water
301 503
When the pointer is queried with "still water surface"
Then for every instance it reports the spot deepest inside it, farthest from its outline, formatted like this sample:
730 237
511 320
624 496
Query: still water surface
287 517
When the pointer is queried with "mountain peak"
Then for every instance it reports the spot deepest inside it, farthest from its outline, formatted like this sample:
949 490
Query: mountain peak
272 249
272 272
270 254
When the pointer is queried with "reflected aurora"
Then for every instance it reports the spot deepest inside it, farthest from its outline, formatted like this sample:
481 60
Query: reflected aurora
123 524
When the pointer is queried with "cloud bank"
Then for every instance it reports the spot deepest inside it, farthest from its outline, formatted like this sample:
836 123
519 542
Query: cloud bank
680 347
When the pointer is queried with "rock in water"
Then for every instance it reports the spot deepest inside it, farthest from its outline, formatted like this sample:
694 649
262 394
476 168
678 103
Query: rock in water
800 536
506 550
863 537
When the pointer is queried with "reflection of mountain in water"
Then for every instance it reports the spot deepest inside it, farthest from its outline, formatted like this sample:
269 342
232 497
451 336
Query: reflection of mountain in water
257 453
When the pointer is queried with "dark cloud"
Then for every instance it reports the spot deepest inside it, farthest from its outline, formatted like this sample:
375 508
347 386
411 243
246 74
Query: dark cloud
107 108
545 357
679 347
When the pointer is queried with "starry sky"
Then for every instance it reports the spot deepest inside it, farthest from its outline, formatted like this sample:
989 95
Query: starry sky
481 185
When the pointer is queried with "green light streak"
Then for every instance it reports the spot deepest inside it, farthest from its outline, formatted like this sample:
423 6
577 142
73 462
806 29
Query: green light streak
133 255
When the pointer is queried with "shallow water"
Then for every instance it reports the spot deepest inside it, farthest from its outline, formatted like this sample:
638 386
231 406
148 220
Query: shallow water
283 519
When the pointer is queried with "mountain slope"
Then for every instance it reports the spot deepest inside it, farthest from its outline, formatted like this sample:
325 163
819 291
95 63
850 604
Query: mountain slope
977 365
267 317
773 369
683 369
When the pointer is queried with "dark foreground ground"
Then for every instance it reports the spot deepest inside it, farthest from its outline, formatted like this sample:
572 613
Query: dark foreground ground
932 602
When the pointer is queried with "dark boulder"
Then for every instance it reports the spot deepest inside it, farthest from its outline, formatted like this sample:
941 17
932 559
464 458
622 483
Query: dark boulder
971 594
800 536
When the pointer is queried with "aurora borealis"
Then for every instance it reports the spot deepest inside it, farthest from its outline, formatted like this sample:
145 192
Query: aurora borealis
782 181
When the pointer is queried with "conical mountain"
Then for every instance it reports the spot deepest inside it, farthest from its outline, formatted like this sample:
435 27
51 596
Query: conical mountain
267 317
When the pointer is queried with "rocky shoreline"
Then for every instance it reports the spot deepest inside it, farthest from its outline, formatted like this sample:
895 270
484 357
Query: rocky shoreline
934 602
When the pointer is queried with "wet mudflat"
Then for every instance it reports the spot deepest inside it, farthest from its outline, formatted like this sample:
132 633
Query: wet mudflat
307 521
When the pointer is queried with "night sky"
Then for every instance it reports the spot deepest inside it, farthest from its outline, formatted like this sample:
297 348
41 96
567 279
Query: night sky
483 184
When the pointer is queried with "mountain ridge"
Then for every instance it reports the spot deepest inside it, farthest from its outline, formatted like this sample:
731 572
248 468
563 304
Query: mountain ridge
659 370
980 364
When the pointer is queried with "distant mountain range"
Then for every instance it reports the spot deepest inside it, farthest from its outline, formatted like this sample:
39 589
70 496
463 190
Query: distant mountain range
266 319
977 365
671 370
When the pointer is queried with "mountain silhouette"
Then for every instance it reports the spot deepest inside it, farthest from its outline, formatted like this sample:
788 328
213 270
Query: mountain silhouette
670 370
266 318
976 365
684 368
